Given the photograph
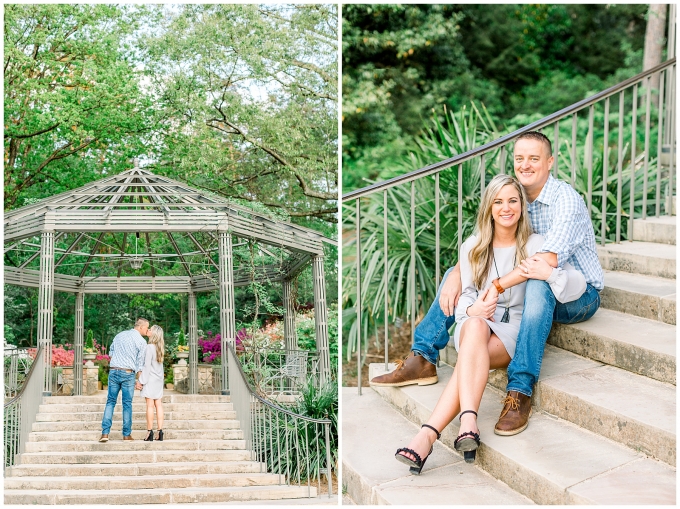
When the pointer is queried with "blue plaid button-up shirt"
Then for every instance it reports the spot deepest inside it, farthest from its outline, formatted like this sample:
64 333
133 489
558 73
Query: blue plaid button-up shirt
128 350
560 215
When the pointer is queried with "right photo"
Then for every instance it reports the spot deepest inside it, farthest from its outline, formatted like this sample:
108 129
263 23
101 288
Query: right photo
509 183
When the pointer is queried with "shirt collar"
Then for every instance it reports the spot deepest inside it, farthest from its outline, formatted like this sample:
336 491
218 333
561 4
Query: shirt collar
548 191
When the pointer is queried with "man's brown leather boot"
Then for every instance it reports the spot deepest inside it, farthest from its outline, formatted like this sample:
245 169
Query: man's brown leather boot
515 414
415 369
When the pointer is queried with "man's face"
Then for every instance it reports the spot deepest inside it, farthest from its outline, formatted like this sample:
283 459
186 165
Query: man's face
144 329
532 165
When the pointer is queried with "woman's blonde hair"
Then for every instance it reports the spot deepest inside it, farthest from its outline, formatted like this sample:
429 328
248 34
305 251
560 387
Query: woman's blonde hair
156 338
481 255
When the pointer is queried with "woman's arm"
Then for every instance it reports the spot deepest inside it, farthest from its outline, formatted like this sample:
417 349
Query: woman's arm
472 302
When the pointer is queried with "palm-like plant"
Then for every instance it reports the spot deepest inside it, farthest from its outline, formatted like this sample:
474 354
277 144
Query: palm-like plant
461 131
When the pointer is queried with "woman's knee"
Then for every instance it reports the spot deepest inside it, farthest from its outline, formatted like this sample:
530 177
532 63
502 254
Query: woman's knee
475 328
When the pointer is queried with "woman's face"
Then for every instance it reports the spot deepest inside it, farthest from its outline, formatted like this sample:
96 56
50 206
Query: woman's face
507 207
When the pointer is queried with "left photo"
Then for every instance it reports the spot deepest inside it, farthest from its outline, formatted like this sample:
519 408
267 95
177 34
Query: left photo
170 253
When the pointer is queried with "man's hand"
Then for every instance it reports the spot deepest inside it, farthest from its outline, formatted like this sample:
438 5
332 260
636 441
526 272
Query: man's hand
485 305
448 298
535 267
138 386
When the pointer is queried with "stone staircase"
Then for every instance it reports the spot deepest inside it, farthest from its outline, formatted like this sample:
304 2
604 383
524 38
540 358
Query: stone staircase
603 428
202 459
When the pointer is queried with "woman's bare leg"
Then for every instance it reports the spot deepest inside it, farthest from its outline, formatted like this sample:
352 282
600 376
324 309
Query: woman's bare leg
159 412
448 405
149 413
472 368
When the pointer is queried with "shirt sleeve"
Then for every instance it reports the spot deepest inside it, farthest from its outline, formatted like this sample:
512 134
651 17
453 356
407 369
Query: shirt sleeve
469 294
567 283
569 226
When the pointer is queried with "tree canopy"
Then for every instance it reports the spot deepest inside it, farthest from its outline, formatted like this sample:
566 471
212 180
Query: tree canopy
402 62
239 99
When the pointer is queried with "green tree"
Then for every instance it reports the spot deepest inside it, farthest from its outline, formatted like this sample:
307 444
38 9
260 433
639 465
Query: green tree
249 95
73 106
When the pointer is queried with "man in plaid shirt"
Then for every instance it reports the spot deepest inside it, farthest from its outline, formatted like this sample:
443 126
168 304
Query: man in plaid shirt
559 214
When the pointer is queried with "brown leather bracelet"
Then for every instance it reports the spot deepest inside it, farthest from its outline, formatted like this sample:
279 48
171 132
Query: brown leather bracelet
496 282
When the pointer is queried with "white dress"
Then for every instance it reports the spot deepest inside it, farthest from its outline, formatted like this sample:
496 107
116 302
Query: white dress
152 375
567 284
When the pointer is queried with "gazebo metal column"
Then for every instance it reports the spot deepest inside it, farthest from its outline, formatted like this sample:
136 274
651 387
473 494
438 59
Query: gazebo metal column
227 314
46 304
78 345
193 345
321 319
289 332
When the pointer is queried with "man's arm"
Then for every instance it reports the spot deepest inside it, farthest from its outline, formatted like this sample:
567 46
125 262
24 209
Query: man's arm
551 258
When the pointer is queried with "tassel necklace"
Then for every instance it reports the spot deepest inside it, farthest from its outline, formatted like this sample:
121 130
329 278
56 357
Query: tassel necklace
506 315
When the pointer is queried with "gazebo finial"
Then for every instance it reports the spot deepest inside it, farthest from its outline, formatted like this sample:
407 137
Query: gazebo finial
135 162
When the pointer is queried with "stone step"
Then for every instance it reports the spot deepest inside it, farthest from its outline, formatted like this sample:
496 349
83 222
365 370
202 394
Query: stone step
644 296
168 434
137 406
372 431
647 258
553 461
655 229
137 424
159 496
140 481
132 469
118 413
631 409
168 397
645 347
137 445
136 456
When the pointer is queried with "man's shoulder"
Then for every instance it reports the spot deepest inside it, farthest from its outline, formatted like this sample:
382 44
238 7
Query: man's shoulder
563 192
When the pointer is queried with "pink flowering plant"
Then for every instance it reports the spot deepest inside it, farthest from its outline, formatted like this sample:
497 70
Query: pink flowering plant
211 346
64 355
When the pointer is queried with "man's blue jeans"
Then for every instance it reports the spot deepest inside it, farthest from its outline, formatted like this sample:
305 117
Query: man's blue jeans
432 333
119 381
541 309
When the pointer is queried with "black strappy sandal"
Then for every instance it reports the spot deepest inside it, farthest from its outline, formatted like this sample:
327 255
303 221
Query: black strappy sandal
467 442
418 464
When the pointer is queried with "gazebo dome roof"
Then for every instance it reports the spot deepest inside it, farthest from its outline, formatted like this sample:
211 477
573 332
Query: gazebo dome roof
174 228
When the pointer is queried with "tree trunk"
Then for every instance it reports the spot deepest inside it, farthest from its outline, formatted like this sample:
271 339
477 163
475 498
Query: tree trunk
654 39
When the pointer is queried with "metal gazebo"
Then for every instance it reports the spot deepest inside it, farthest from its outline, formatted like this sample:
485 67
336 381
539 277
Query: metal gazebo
82 242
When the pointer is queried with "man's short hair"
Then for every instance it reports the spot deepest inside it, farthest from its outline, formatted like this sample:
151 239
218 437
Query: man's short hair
141 321
535 135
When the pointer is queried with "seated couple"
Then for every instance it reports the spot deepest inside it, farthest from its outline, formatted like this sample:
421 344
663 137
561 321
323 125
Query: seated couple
531 261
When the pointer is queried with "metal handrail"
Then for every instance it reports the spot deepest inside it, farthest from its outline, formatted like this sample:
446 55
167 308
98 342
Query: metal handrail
257 415
18 416
499 142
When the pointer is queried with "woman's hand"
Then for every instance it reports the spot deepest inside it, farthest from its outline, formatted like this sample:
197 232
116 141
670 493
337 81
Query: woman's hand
484 306
535 267
451 290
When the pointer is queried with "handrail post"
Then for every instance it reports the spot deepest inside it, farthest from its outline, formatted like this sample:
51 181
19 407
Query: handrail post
413 261
619 183
633 155
358 302
648 105
385 278
605 171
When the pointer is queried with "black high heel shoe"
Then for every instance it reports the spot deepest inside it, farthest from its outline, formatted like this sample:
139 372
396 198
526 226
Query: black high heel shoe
467 442
160 435
416 466
149 436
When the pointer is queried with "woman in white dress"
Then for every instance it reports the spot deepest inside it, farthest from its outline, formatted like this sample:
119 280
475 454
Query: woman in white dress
152 381
487 324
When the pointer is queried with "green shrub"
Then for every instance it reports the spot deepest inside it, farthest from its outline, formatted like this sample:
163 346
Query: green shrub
277 431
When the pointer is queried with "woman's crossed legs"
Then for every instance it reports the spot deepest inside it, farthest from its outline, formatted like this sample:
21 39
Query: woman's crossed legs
479 351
